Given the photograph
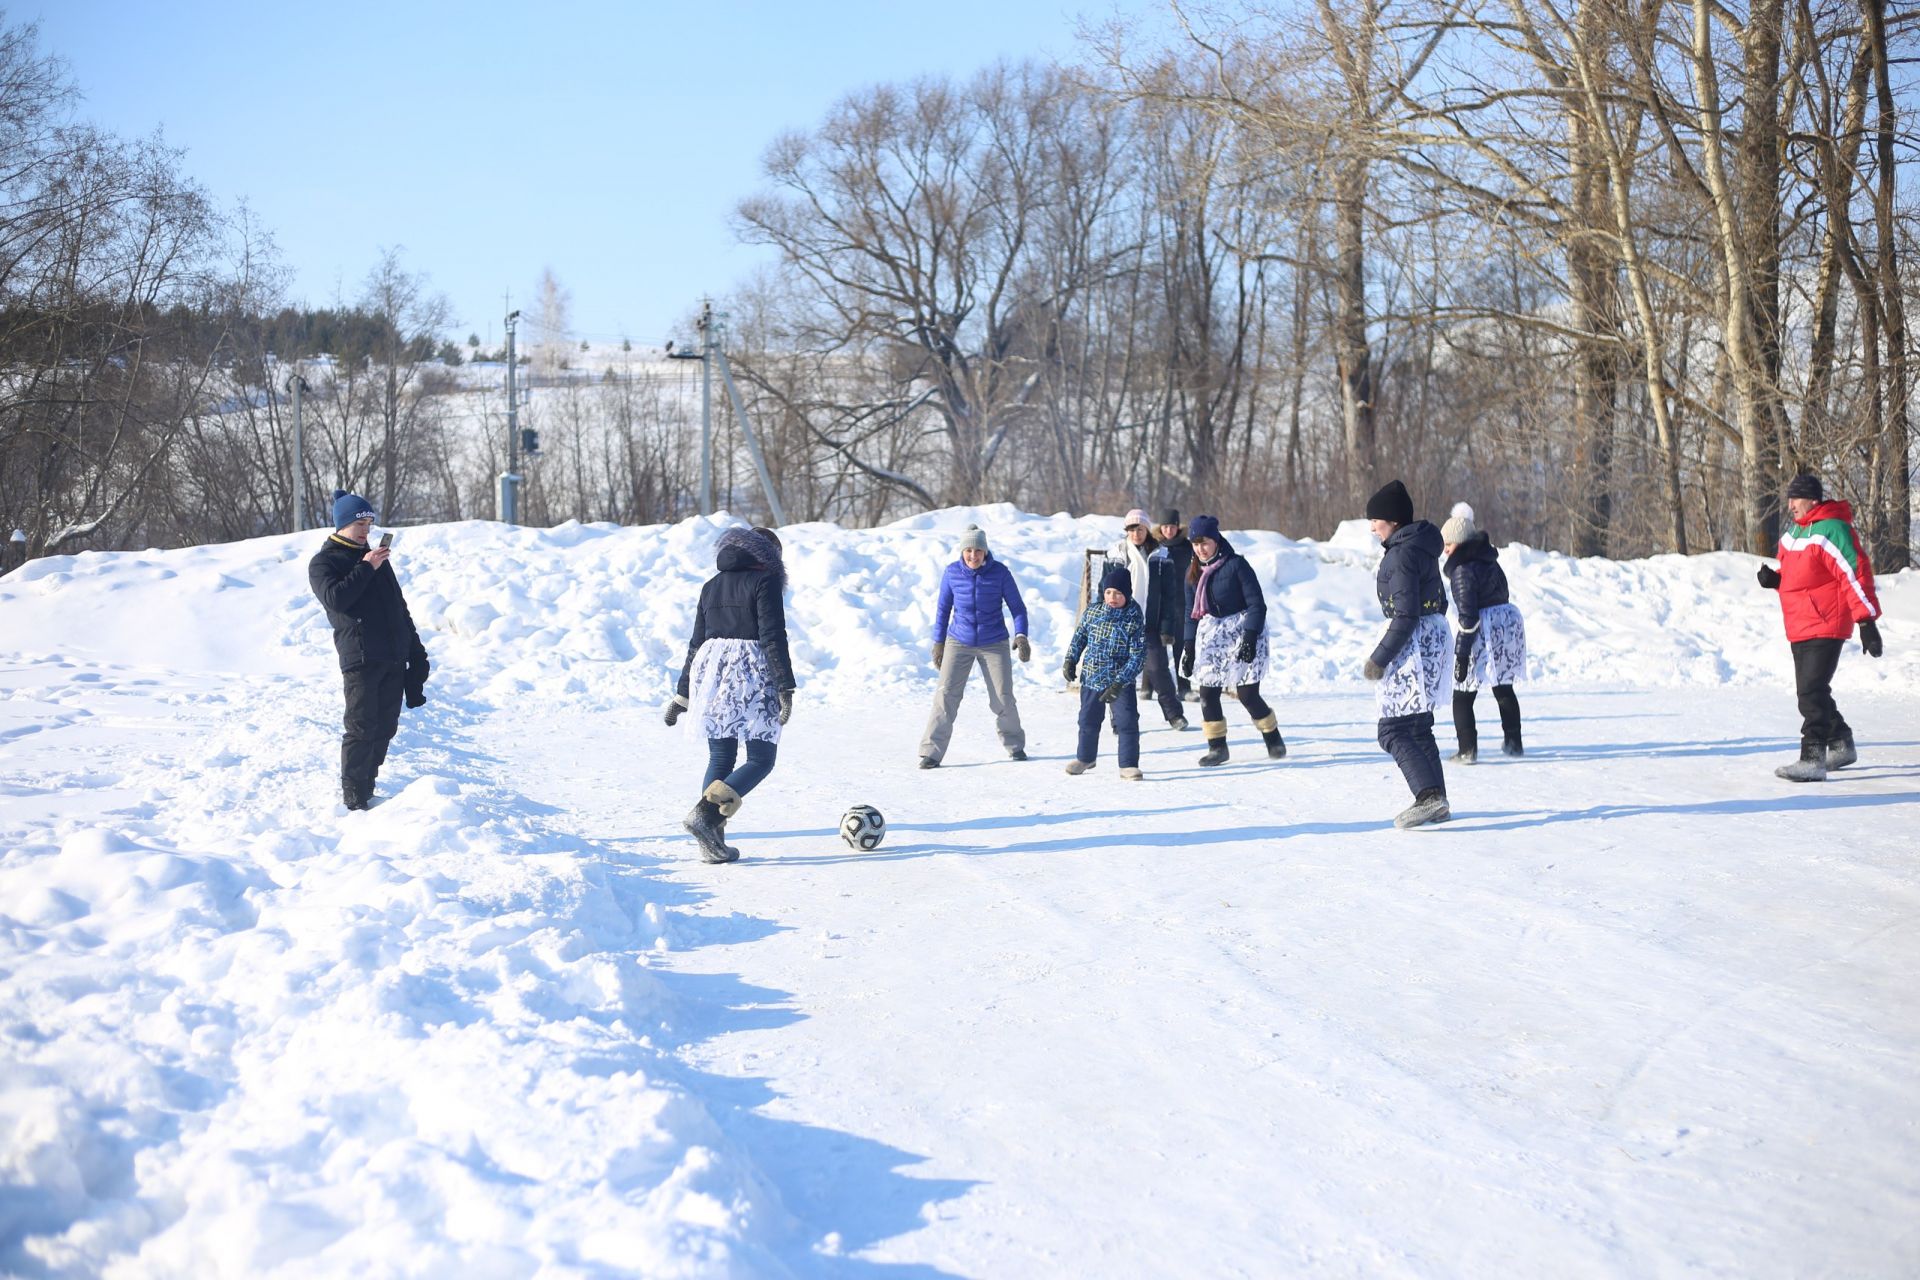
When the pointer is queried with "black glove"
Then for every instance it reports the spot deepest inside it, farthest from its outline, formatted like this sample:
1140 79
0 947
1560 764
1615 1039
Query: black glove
1071 670
674 708
416 681
1769 577
1373 670
1186 664
786 705
1460 667
1870 638
1248 643
1114 691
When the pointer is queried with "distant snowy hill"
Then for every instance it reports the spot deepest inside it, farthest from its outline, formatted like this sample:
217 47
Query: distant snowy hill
598 613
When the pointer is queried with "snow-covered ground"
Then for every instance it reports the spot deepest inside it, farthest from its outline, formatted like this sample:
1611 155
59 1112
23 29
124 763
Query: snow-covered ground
1641 1009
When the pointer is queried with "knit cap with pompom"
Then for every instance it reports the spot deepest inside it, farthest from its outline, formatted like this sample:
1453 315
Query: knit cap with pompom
1459 526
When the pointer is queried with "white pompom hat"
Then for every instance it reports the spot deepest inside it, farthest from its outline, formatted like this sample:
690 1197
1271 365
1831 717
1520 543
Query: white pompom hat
1459 527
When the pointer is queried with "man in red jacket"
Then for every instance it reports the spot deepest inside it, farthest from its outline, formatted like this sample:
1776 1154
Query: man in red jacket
1825 583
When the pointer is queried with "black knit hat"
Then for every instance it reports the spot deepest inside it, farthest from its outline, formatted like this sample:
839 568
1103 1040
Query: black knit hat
1805 485
1168 515
1118 578
1391 502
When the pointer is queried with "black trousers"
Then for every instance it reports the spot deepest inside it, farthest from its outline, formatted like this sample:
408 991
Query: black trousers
1157 675
1409 740
1814 662
374 691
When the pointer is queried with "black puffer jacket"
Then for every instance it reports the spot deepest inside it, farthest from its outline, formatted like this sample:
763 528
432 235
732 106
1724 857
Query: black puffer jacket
364 604
1474 573
742 602
1234 586
1408 585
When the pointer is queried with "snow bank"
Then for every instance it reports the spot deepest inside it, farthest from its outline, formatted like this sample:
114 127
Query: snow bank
598 615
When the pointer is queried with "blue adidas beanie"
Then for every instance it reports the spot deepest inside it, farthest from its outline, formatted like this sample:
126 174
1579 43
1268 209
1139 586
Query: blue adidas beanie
348 507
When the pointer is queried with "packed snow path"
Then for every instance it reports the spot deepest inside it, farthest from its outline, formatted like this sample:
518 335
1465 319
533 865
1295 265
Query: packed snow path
1639 1010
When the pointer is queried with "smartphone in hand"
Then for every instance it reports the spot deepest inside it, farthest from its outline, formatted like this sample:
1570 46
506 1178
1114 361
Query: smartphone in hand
386 540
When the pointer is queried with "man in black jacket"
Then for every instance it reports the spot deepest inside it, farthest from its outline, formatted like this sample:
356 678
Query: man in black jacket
381 658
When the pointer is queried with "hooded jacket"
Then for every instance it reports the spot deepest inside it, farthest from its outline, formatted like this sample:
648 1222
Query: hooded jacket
742 602
1826 580
971 602
364 605
1234 586
1478 581
1110 645
1408 585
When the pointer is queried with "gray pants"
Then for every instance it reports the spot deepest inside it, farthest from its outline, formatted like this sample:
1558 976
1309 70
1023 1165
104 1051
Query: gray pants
996 665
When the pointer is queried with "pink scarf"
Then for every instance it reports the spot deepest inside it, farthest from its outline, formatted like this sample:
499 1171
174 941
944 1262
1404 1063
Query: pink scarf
1200 589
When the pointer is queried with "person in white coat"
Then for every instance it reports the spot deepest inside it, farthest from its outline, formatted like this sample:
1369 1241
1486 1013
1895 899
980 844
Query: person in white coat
1162 599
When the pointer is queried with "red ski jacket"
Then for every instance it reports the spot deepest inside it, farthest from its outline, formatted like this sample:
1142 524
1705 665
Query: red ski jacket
1826 580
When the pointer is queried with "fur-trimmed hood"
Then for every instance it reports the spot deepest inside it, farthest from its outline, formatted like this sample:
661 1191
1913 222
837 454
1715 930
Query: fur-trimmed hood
743 548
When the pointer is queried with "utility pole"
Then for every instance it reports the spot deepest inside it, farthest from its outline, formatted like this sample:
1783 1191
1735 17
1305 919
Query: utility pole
297 384
510 481
705 325
706 407
713 328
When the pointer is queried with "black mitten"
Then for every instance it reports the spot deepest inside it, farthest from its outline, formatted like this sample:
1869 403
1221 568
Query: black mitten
1870 638
1071 670
1113 691
1186 664
1249 643
1769 577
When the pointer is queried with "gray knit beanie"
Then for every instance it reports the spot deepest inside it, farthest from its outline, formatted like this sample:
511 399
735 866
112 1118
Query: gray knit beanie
974 539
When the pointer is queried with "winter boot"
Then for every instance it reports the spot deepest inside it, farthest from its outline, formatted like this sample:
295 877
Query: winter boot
1810 767
1429 806
1840 753
928 762
1465 729
1077 767
355 794
1132 774
1216 731
708 821
1179 724
1269 727
1018 753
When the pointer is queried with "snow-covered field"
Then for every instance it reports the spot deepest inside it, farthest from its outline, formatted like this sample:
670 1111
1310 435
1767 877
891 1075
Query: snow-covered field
1641 1009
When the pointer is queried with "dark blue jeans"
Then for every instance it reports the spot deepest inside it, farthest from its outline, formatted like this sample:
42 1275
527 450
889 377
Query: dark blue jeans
722 752
1409 740
1126 724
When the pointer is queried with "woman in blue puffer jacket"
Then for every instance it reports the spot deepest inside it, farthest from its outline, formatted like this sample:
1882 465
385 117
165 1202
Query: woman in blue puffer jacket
968 627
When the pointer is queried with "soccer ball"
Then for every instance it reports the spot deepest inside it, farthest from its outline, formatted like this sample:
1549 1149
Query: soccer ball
863 827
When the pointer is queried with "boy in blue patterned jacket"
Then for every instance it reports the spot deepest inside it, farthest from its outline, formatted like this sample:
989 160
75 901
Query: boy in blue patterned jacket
1109 649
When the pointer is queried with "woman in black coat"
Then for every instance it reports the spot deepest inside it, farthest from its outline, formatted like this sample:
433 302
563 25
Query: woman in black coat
1492 645
1227 639
738 677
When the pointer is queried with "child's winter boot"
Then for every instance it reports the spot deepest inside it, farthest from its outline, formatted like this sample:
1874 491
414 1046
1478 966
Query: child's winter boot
707 824
1429 806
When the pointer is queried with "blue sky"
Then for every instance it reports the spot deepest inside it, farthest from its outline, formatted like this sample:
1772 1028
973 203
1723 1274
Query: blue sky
488 141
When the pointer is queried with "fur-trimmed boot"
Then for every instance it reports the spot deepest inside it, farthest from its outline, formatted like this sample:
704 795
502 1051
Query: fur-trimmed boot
1810 767
1840 753
707 824
1269 727
1216 731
